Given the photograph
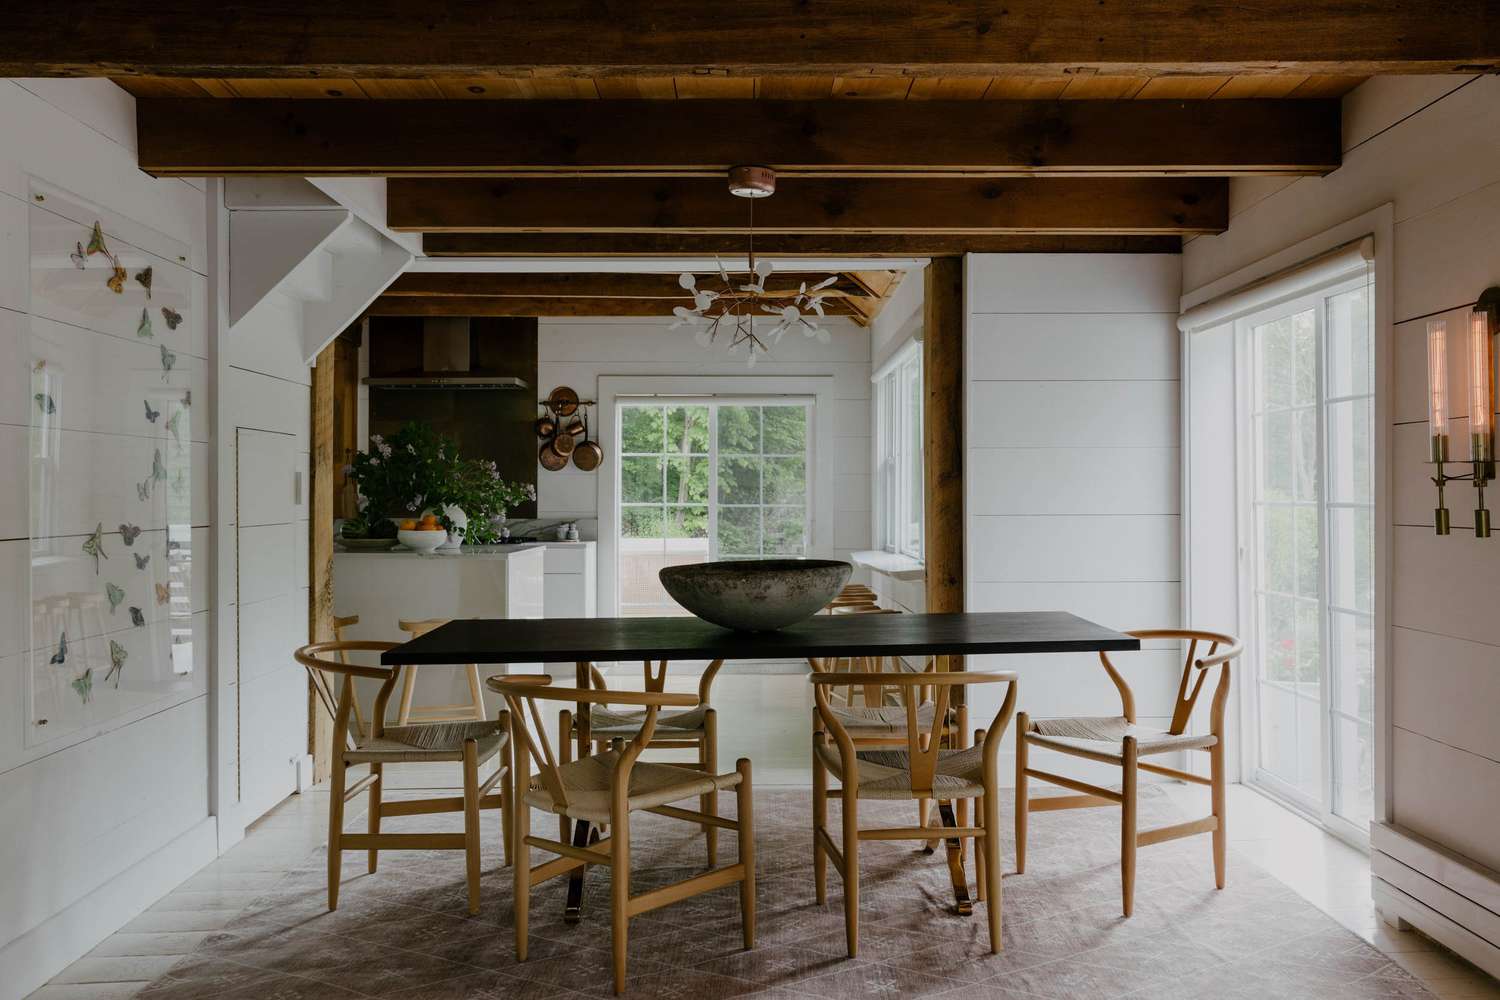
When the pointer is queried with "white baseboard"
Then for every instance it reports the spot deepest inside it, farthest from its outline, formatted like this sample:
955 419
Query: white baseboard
1447 897
42 952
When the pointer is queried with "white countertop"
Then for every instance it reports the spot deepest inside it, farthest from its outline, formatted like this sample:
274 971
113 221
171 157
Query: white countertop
891 564
466 552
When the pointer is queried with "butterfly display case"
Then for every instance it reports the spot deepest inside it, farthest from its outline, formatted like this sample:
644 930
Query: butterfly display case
117 497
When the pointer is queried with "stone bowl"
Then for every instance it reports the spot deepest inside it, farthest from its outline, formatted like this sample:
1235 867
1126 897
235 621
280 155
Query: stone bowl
756 595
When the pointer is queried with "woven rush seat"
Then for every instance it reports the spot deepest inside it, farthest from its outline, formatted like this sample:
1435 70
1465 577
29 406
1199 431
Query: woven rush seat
886 774
436 741
586 783
1105 735
890 720
608 722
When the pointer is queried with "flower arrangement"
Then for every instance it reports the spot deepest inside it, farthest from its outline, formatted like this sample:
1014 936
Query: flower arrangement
417 469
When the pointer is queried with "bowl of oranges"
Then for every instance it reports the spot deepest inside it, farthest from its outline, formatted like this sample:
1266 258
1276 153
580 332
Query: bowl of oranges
422 535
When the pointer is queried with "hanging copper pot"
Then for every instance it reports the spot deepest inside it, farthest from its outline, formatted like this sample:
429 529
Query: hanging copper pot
573 428
588 455
564 444
549 458
546 427
563 401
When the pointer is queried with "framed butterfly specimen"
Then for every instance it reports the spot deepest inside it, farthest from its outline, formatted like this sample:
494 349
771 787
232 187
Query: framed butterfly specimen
174 422
172 316
168 359
61 656
116 596
78 257
144 277
143 490
118 654
94 546
129 533
141 560
143 328
151 414
84 685
137 618
44 403
163 593
158 469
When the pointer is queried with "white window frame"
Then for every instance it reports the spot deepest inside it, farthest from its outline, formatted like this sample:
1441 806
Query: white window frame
897 522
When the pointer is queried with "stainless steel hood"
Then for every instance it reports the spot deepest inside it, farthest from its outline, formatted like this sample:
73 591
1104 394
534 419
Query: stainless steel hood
446 362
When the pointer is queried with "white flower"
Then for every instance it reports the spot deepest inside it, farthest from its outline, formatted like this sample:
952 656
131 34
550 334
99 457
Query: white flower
377 440
411 449
374 461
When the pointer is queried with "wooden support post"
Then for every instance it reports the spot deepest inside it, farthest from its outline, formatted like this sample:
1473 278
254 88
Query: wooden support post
320 552
943 437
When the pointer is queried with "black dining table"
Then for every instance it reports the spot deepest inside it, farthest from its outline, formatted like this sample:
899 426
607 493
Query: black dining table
582 641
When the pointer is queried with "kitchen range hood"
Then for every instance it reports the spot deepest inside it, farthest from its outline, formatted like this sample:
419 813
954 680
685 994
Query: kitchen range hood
447 362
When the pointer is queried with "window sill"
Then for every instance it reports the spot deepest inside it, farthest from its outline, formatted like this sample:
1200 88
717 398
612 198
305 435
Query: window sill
892 564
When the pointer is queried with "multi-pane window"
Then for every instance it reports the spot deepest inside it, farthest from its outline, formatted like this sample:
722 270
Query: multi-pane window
1311 512
898 454
708 479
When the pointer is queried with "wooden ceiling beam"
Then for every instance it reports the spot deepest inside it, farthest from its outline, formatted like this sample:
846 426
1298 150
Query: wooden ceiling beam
687 38
548 305
195 137
842 245
595 285
1159 205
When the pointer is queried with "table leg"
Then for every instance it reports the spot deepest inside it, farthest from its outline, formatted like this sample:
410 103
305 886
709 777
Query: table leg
573 908
961 898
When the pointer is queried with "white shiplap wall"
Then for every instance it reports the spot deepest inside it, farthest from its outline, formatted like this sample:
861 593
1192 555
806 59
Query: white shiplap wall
95 827
576 352
1071 467
1430 147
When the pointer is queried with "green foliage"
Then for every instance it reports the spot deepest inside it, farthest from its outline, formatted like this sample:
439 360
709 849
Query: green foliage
418 469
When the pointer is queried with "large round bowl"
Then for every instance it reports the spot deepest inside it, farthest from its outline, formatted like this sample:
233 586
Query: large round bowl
756 595
421 541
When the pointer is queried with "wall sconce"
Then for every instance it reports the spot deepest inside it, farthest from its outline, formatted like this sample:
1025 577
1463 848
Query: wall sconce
1479 348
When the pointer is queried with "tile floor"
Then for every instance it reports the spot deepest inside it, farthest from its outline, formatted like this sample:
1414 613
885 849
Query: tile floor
763 717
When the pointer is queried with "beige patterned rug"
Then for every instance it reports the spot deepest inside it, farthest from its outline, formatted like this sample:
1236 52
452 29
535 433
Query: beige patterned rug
404 932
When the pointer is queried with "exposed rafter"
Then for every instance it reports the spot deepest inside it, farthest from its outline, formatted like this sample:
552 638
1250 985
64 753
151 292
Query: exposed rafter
835 245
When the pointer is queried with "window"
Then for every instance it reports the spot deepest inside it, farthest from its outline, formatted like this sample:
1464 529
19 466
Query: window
898 453
708 479
1310 525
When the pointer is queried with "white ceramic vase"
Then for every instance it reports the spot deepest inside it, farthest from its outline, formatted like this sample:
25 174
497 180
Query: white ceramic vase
460 522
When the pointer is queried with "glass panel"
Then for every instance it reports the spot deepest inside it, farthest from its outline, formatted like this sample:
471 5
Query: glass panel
1305 349
1277 450
641 429
687 430
785 430
1350 451
739 532
1353 771
739 480
739 430
1351 363
1308 566
1351 551
1274 343
1309 648
1278 732
1351 640
1278 550
640 479
785 480
640 522
687 480
785 530
1309 748
1306 483
1278 639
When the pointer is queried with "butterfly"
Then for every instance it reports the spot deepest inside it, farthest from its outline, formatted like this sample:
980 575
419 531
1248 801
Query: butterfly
143 490
136 618
172 316
158 470
187 398
44 403
173 423
117 657
115 594
151 414
96 240
84 685
141 560
116 281
143 328
78 257
168 359
94 546
129 533
144 277
61 656
163 593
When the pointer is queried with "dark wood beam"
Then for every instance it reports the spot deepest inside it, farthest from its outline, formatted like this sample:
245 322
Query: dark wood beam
196 138
943 434
844 245
520 305
415 38
593 285
812 205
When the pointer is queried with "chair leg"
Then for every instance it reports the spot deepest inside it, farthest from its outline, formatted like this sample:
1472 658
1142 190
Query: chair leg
374 810
980 817
1216 791
961 806
408 688
744 806
335 829
850 810
476 693
507 796
564 756
1129 757
1023 802
521 867
708 755
471 821
619 845
820 821
990 877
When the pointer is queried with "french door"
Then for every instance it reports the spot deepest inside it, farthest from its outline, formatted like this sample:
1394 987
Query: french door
1309 535
704 479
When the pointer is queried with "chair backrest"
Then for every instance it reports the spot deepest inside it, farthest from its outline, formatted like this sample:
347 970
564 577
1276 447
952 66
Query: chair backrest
921 745
1222 648
523 691
325 690
863 664
326 661
420 626
705 682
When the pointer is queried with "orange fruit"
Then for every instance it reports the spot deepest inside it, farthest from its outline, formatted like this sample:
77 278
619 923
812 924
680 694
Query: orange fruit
408 525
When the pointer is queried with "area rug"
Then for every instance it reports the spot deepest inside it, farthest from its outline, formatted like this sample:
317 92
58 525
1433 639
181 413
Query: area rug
404 932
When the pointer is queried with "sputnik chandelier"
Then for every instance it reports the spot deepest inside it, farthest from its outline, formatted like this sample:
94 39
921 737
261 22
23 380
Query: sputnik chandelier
732 311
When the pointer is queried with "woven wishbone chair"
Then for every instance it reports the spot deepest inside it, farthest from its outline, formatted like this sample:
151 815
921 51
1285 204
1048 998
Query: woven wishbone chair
922 770
467 743
1118 740
605 789
694 728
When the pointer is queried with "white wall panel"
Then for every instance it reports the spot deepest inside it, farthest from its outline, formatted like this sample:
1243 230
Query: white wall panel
1074 480
1448 585
1072 414
1446 689
1075 548
1448 795
1073 346
1075 283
